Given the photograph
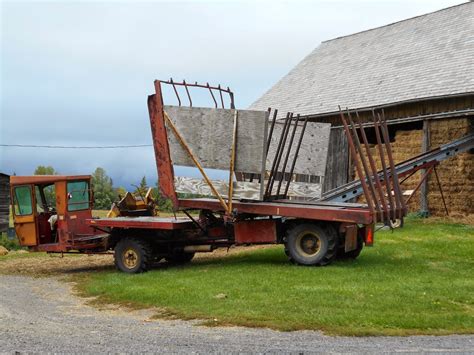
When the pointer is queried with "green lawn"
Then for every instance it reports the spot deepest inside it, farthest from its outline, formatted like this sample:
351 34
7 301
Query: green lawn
416 280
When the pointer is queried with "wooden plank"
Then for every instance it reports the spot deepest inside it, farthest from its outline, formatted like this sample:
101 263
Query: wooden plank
337 166
208 133
313 152
241 189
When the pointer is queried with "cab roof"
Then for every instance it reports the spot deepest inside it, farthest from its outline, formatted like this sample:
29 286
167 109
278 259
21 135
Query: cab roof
45 179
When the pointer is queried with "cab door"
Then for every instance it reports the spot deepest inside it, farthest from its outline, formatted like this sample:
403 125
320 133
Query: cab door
24 215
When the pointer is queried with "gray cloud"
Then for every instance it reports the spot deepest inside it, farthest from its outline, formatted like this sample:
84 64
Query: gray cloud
78 73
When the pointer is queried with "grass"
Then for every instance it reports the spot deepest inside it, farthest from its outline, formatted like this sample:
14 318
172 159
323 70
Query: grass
416 280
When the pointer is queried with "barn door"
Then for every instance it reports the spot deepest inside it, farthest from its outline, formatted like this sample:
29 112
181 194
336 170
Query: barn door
24 215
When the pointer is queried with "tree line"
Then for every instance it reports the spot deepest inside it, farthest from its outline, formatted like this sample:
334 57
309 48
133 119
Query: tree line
105 194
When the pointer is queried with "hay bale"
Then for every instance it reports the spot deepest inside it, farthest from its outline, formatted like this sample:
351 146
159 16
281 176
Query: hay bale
3 250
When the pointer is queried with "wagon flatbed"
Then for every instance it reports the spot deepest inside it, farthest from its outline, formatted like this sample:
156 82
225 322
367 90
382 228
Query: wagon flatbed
340 212
162 223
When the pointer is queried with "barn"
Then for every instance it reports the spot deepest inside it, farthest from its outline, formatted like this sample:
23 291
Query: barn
4 202
420 71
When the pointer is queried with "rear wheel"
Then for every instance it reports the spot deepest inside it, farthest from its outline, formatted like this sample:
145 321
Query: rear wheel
353 254
133 255
311 244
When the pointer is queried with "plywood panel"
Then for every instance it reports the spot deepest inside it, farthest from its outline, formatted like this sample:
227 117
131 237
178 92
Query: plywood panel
208 132
242 189
337 167
313 152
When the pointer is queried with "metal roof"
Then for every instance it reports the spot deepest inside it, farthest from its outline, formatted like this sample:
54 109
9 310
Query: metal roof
422 57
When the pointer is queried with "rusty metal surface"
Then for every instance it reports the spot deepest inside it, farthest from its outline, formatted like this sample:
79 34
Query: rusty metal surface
325 213
388 206
255 231
220 90
406 168
45 179
160 143
167 223
351 232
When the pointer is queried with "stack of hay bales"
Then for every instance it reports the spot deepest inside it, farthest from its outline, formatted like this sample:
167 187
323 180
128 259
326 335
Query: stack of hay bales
406 145
456 174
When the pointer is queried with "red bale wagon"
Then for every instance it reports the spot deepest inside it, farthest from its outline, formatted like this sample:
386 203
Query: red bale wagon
313 232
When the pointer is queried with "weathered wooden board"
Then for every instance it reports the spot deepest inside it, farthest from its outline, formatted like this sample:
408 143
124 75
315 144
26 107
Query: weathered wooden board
313 152
208 133
337 167
4 202
242 189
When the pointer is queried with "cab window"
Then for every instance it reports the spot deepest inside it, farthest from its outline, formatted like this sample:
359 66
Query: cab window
23 202
78 195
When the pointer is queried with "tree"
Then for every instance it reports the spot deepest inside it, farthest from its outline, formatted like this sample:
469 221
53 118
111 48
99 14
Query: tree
104 194
45 170
49 191
120 192
141 189
164 204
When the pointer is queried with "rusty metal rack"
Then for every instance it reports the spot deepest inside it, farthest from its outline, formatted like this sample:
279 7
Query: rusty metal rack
405 169
383 196
219 90
278 172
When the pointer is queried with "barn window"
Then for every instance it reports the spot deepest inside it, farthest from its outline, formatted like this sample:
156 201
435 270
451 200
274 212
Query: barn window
78 195
23 202
392 130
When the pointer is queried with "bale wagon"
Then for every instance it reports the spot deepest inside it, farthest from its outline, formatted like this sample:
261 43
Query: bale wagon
54 213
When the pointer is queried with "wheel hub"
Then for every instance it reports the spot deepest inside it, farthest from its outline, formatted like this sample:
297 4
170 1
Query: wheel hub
130 258
308 243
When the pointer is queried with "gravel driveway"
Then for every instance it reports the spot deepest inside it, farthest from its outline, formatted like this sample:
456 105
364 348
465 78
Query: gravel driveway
42 315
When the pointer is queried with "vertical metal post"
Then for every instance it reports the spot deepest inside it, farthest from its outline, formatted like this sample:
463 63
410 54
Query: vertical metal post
268 190
164 166
425 146
384 167
232 162
356 162
364 164
441 191
285 162
373 166
296 155
396 184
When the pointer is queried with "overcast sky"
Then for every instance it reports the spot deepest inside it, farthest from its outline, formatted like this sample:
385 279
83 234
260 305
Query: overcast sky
78 73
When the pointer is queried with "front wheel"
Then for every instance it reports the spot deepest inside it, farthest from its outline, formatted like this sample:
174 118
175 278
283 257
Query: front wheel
311 244
133 255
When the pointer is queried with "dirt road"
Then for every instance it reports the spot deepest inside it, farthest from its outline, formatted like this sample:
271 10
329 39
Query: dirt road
42 315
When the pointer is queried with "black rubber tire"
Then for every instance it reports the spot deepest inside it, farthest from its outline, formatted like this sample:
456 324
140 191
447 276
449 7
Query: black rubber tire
133 255
179 258
353 254
324 236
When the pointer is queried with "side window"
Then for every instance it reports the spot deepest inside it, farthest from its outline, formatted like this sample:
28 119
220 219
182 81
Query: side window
78 195
39 204
23 202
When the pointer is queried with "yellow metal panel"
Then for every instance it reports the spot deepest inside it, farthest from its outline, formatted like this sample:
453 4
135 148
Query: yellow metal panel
25 228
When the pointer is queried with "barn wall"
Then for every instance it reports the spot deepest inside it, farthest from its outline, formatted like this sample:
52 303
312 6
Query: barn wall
456 174
4 202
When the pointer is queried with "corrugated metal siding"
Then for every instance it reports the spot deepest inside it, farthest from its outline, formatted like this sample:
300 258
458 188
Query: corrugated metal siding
4 202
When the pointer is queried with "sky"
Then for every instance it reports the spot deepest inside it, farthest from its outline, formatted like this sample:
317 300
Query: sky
77 73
